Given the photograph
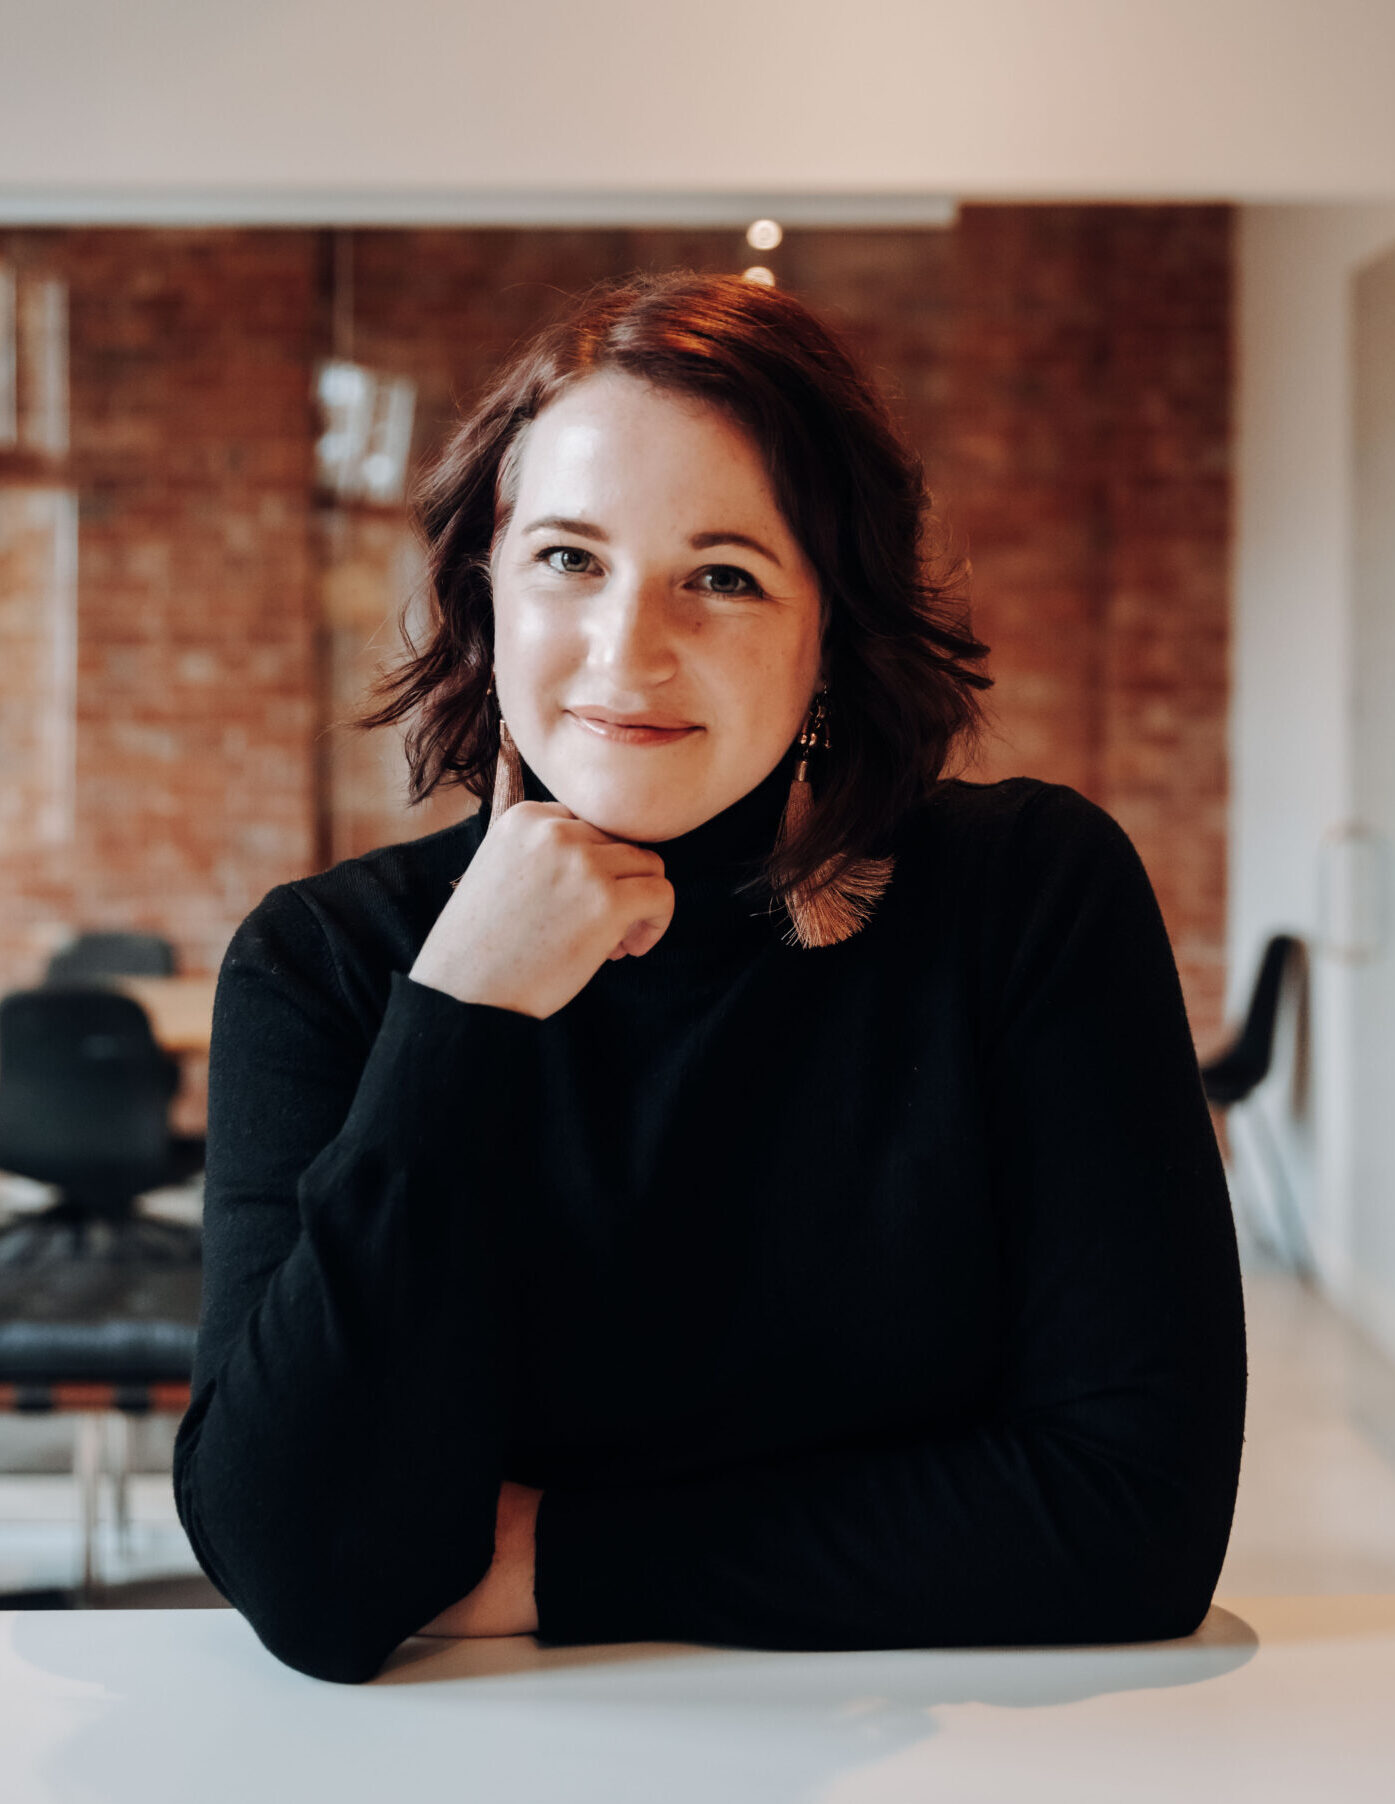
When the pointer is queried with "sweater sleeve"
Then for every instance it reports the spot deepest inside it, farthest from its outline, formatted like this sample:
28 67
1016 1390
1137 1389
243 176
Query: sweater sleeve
1095 1504
338 1468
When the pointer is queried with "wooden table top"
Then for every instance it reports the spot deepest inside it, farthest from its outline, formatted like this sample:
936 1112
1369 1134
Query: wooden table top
180 1008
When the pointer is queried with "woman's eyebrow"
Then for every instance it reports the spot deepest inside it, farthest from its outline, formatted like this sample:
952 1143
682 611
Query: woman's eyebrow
700 541
557 523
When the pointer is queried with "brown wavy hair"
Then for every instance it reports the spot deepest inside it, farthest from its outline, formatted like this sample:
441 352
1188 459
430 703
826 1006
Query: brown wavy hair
899 653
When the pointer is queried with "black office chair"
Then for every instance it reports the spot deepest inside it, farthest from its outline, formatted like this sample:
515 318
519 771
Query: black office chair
84 1104
92 1292
111 955
1235 1073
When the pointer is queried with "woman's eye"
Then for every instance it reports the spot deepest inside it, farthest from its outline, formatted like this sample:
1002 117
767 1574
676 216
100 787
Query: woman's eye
727 579
564 551
725 571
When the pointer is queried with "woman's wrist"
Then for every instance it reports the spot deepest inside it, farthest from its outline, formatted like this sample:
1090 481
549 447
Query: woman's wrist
502 1603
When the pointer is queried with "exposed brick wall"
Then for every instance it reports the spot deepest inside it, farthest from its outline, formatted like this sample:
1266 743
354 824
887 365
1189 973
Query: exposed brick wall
1164 684
1087 465
190 457
1064 370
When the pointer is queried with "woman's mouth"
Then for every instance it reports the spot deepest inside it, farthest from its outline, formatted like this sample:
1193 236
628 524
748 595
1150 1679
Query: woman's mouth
608 729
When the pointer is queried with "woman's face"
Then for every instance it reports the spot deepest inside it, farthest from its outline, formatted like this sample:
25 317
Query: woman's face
647 572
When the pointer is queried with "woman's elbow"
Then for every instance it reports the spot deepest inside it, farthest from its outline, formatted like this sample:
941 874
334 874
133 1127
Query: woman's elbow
1165 1612
323 1608
338 1649
1157 1587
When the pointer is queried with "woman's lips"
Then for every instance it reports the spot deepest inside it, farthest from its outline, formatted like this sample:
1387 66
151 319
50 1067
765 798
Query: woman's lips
606 729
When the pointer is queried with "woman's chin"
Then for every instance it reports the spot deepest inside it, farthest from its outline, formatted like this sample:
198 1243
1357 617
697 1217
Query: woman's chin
620 811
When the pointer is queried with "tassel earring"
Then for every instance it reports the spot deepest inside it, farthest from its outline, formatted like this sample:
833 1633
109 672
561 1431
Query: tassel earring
508 770
824 910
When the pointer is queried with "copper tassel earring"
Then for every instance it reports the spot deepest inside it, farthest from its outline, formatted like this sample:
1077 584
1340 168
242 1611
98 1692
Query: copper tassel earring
508 771
825 910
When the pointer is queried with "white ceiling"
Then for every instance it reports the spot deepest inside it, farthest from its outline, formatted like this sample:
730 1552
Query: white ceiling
446 108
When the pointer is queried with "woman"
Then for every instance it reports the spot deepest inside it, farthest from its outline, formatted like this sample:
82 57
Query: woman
742 1184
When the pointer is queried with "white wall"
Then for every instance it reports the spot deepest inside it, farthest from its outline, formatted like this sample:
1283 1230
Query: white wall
1282 99
1292 663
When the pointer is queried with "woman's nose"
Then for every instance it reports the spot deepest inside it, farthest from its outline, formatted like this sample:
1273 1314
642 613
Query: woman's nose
634 629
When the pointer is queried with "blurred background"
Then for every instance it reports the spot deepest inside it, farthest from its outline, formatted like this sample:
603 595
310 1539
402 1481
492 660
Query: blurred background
1127 278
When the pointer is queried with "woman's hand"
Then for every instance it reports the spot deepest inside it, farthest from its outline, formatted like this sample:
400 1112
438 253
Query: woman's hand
502 1603
544 902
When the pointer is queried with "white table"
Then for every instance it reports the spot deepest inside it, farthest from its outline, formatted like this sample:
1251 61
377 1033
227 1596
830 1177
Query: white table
1276 1699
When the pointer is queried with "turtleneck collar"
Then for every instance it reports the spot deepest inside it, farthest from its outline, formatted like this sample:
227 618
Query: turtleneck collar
708 864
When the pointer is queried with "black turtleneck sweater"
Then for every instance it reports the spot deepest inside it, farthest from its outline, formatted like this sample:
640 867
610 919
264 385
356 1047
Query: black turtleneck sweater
875 1295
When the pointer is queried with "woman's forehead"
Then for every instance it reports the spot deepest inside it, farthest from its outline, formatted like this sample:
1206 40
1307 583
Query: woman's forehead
613 444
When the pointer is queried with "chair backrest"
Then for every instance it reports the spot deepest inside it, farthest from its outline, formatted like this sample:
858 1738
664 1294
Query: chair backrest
1255 1046
1245 1062
111 955
84 1092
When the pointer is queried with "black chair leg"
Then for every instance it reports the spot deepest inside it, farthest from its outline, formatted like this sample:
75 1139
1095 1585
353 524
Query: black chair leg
1299 1254
87 1470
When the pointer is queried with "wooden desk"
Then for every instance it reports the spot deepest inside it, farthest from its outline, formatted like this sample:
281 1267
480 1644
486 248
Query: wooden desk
1274 1701
180 1008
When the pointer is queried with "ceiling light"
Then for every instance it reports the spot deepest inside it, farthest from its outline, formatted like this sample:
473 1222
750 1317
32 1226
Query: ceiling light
763 235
